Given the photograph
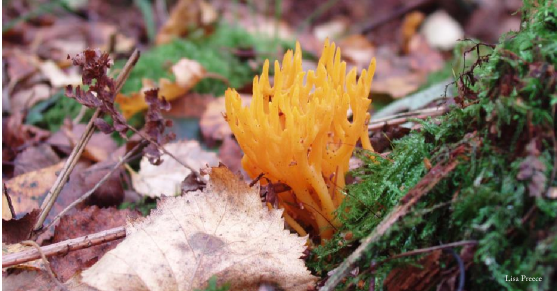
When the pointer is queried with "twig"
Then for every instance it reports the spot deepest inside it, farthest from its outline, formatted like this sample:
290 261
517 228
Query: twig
90 192
64 246
161 148
46 263
430 249
78 149
406 116
10 204
427 183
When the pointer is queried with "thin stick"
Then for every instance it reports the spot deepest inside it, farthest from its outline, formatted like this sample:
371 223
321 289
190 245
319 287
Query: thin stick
46 263
10 204
161 148
430 249
64 246
406 116
90 192
78 149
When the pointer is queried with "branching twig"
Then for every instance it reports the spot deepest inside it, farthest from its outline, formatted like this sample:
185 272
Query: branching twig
46 263
406 116
90 192
64 246
78 149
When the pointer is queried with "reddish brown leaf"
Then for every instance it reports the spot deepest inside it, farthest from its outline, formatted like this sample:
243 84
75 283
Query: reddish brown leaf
89 220
35 158
17 230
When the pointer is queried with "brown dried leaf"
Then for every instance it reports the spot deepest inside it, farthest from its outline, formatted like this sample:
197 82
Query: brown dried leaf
99 147
191 105
17 230
166 178
87 221
213 125
35 158
27 190
231 154
222 231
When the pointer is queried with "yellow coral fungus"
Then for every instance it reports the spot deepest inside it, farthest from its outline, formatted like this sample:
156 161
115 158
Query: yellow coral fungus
299 133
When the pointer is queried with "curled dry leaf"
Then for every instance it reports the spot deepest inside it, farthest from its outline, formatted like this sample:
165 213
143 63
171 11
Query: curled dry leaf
187 74
223 231
166 178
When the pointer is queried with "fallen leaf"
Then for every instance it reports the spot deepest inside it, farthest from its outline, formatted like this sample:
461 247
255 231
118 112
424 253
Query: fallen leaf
231 154
191 105
441 30
110 193
57 77
25 99
187 74
186 15
39 280
213 125
17 230
410 25
27 190
358 51
332 29
223 231
6 213
35 158
84 222
99 148
15 134
166 178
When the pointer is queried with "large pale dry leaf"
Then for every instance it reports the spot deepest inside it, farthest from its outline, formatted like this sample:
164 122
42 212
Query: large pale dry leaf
187 73
223 231
166 178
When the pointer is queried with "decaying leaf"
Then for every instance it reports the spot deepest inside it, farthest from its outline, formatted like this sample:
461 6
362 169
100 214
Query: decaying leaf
87 221
26 190
99 147
187 74
166 178
213 126
35 158
16 230
223 231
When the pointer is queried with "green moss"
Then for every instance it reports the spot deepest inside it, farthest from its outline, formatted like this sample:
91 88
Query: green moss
506 105
214 52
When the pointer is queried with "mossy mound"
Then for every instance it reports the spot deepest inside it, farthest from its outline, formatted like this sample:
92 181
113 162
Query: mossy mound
495 196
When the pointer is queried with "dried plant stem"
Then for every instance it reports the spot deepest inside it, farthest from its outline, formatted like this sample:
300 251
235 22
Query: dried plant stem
78 149
87 194
161 148
46 263
405 117
10 204
64 246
